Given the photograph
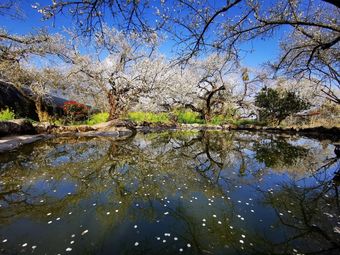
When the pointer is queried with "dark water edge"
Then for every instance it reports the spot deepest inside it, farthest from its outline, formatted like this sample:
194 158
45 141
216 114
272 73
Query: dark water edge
183 192
320 133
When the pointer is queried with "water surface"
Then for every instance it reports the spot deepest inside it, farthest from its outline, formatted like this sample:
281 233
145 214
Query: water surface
171 193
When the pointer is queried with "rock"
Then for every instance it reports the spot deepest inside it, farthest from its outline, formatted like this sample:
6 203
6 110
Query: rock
114 124
113 132
336 230
102 129
192 126
125 133
98 133
16 127
13 98
233 127
45 127
14 142
53 129
46 131
217 127
145 124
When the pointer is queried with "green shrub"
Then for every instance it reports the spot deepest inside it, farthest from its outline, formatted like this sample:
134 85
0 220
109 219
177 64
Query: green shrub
219 120
140 117
58 122
7 114
188 117
276 105
98 118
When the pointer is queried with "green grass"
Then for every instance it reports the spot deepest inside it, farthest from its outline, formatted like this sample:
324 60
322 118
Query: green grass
94 119
247 122
7 114
140 117
58 122
98 118
220 120
181 116
177 116
185 117
188 117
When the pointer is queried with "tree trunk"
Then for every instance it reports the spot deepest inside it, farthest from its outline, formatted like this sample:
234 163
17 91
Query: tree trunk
279 121
207 115
113 113
40 109
208 102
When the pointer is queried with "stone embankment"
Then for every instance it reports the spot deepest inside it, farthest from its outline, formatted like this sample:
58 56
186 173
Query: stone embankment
16 133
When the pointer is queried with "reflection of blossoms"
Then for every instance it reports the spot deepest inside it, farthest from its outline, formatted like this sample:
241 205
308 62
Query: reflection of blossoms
170 189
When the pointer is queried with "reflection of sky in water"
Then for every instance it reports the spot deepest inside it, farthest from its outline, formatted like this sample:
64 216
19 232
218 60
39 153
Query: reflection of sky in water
170 193
72 153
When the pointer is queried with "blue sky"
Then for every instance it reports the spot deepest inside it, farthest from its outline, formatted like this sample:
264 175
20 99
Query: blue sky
261 50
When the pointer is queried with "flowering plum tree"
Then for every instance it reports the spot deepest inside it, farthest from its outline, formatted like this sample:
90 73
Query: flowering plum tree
309 45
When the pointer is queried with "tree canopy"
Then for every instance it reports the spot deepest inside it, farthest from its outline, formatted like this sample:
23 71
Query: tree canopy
275 105
114 58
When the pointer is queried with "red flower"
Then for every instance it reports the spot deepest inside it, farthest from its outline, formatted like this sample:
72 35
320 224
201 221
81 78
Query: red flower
75 110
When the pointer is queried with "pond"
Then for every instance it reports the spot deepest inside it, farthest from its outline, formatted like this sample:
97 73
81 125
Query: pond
171 193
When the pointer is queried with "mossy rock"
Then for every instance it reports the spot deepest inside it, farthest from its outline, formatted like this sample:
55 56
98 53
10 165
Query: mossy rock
16 127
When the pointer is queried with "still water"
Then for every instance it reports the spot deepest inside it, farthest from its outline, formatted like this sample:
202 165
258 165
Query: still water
171 193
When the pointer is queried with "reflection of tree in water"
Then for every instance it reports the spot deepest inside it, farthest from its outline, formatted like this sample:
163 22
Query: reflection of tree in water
123 171
215 153
28 183
309 209
144 170
278 152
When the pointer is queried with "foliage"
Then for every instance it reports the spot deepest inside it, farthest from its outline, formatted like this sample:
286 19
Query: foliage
310 47
218 120
57 122
140 117
75 111
275 105
7 114
98 118
225 119
134 71
127 73
187 117
276 153
206 86
221 119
